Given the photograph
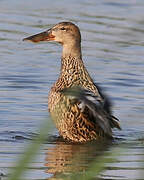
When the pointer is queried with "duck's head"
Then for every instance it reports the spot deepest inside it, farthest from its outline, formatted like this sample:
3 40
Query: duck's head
64 32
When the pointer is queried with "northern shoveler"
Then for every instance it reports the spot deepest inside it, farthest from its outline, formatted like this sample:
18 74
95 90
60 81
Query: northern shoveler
80 111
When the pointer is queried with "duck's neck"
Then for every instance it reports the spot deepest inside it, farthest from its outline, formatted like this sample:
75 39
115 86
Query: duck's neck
70 65
73 71
72 49
71 58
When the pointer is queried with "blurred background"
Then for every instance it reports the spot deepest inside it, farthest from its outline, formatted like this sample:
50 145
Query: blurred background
113 52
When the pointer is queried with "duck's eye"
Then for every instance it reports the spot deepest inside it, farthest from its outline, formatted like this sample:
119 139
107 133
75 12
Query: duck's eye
63 29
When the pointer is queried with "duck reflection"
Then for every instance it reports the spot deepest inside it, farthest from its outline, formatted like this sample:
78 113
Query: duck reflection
62 157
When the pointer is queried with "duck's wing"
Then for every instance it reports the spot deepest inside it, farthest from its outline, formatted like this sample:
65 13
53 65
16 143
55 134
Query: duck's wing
88 101
107 104
105 101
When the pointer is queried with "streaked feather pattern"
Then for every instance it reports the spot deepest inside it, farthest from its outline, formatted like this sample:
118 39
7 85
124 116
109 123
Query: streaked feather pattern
88 100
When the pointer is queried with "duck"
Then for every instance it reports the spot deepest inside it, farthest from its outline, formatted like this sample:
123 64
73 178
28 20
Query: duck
78 107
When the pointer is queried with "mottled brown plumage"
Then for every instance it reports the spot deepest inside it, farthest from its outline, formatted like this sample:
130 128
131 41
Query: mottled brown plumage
81 113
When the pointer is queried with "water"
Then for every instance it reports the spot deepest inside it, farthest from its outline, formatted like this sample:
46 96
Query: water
112 43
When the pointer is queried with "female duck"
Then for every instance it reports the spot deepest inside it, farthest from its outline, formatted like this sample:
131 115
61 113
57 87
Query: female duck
80 111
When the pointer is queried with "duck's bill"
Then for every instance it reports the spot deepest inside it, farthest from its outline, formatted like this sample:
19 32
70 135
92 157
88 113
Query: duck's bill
43 36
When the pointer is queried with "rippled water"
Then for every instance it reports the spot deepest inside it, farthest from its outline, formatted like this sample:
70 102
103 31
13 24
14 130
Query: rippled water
113 51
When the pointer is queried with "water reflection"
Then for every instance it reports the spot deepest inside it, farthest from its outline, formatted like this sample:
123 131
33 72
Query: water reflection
63 158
